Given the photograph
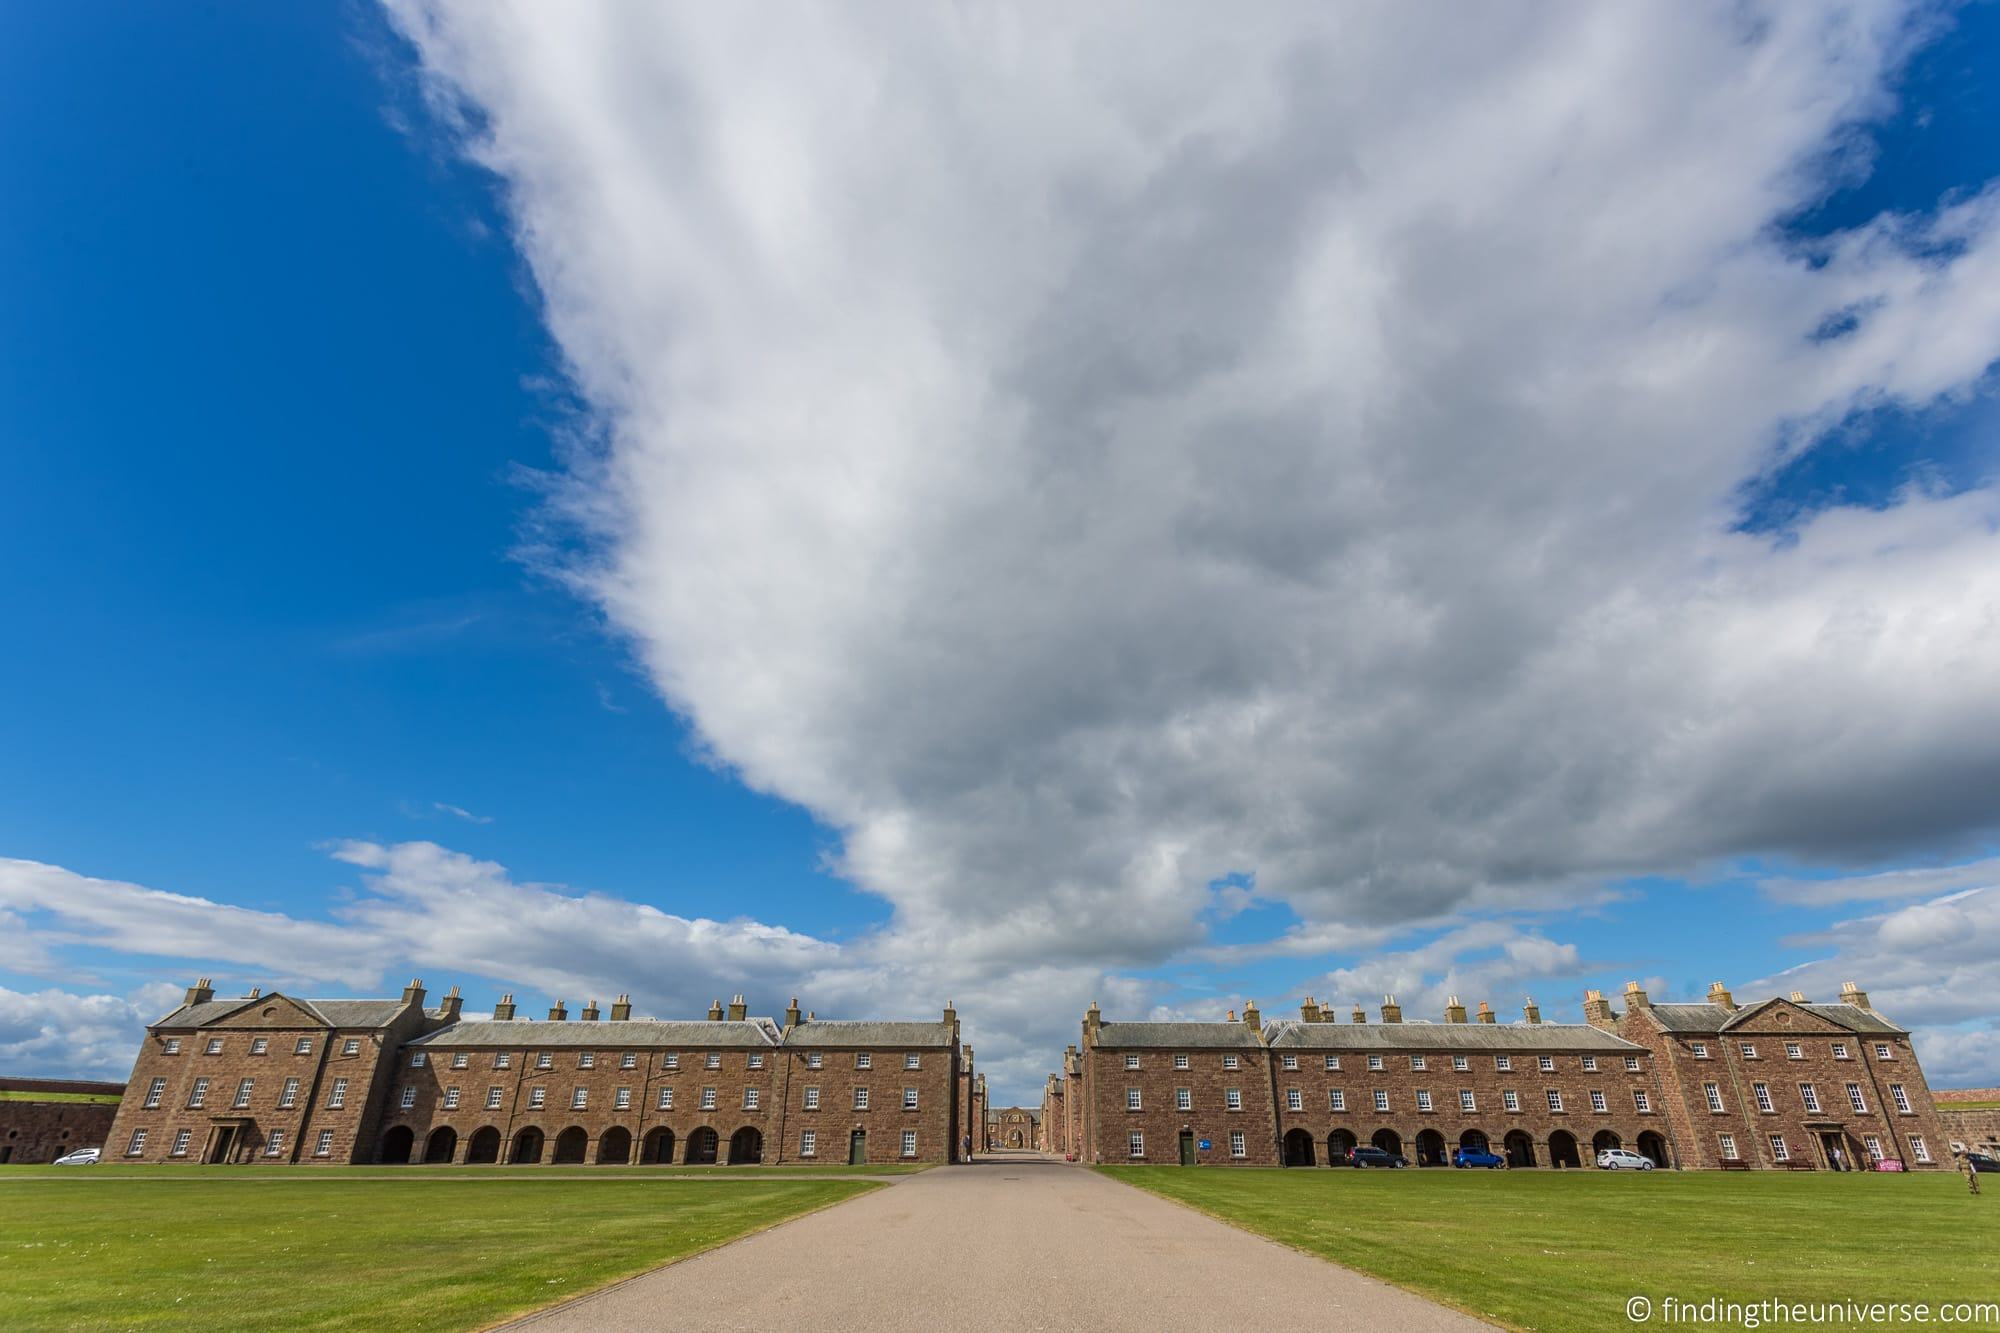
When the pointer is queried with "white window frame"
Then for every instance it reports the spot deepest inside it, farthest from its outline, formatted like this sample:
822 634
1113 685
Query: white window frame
621 1099
706 1102
1749 1049
1232 1099
861 1099
503 1059
260 1045
409 1096
136 1145
1546 1063
1333 1063
198 1095
751 1098
1779 1152
913 1060
214 1046
182 1138
1295 1099
909 1099
586 1059
1698 1049
545 1059
537 1098
1460 1064
1762 1092
1180 1062
1641 1102
1424 1100
303 1046
812 1099
1134 1100
1336 1099
173 1046
1856 1100
1503 1063
909 1143
1902 1099
1590 1064
808 1143
813 1060
1874 1146
1374 1062
1809 1098
451 1098
1466 1101
1840 1051
1883 1051
324 1146
1418 1064
1795 1050
1237 1145
275 1144
1289 1061
1230 1062
154 1091
628 1060
1510 1100
712 1060
1381 1099
1713 1092
336 1098
1727 1144
1918 1148
666 1099
352 1046
864 1059
1131 1060
1135 1143
1598 1102
416 1059
1184 1099
1631 1064
493 1097
461 1060
579 1099
1555 1096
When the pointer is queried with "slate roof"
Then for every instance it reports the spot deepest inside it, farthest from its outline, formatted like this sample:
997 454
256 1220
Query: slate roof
1709 1018
865 1032
1210 1035
334 1013
723 1034
1292 1034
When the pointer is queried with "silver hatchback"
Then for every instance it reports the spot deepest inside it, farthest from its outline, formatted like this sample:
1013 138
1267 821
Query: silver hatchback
1623 1159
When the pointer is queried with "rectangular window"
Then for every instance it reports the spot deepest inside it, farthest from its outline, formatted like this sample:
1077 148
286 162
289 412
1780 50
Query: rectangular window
750 1097
1590 1064
493 1097
1180 1062
1236 1145
666 1099
173 1046
1840 1050
352 1046
1547 1063
1132 1099
864 1059
416 1059
1555 1099
909 1143
537 1098
1901 1098
707 1099
1229 1062
909 1099
1728 1142
1503 1063
1294 1100
181 1137
1749 1050
1374 1062
1466 1101
808 1142
671 1060
503 1059
1882 1051
1423 1100
325 1145
813 1060
1510 1100
1381 1100
1631 1064
621 1100
1854 1099
275 1144
579 1098
1597 1101
1333 1062
1417 1063
409 1097
1699 1049
545 1060
1184 1099
451 1099
460 1060
1291 1061
1336 1099
756 1060
259 1045
1874 1146
1809 1095
1641 1101
1794 1051
154 1091
1460 1063
1131 1061
1232 1099
629 1060
1135 1144
1714 1095
861 1099
912 1060
338 1097
215 1046
1762 1092
1917 1148
586 1060
1779 1152
304 1046
812 1099
198 1096
138 1143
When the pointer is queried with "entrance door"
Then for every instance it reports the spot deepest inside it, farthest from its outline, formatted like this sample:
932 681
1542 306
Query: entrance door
1835 1154
857 1148
1187 1147
225 1139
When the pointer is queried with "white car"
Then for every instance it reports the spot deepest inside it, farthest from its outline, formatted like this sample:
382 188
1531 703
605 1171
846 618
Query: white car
1623 1159
81 1157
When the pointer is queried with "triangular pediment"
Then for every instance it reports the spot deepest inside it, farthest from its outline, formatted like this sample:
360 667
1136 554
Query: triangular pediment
1776 1017
266 1012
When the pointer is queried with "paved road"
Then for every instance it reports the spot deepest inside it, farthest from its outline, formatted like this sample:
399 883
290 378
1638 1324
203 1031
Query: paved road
1017 1241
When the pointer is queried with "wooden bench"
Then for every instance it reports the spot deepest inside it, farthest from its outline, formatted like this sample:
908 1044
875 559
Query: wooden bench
1796 1165
1735 1164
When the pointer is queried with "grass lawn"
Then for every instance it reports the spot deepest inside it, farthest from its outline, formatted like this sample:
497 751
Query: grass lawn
137 1247
93 1098
1564 1250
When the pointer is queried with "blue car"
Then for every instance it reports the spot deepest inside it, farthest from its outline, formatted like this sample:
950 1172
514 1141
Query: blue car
1465 1157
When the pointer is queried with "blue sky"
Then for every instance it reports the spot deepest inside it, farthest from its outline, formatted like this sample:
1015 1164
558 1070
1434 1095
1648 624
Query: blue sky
430 482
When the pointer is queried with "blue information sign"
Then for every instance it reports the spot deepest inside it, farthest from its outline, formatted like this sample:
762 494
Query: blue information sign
1205 1145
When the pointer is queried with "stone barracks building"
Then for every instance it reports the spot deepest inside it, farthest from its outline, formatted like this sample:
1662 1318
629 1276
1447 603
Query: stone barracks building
43 1118
1782 1083
277 1079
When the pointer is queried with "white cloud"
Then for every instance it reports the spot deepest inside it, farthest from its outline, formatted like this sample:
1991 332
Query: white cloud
1914 882
55 1034
459 812
1080 457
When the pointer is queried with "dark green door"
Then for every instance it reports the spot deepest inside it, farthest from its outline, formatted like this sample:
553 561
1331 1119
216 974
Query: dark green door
857 1148
1187 1147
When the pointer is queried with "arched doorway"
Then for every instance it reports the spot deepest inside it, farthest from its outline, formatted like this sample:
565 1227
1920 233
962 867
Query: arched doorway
1473 1140
615 1147
658 1148
484 1146
1014 1139
1654 1147
441 1147
570 1146
701 1147
1562 1149
1430 1148
1298 1148
1520 1148
397 1144
1388 1140
1339 1144
746 1147
527 1146
1604 1141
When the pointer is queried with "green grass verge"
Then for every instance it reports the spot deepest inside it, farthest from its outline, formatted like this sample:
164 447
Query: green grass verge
89 1098
1549 1250
168 1249
113 1169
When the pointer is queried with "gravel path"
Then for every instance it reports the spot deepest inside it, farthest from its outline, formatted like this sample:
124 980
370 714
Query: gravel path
1017 1241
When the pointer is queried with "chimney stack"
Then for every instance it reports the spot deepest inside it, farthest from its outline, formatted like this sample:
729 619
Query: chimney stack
453 1002
950 1018
1309 1011
590 1012
255 991
1232 1015
1251 1017
1853 994
1359 1015
1391 1011
1719 994
1531 1011
715 1011
413 994
1798 997
1454 1012
1597 1010
1093 1019
503 1012
738 1010
201 992
559 1012
1485 1014
621 1009
792 1014
1635 998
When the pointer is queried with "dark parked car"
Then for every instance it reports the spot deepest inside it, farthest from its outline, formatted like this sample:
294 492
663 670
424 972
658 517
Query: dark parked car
1982 1163
1366 1156
1465 1157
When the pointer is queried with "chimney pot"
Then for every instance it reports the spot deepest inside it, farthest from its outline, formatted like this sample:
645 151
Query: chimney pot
1391 1011
1635 998
1485 1014
621 1009
1454 1012
503 1012
559 1012
1531 1011
1853 994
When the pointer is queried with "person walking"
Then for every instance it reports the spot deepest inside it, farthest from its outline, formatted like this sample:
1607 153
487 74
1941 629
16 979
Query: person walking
1971 1173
